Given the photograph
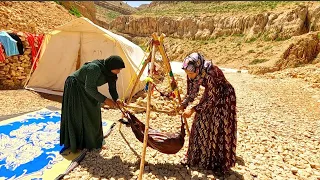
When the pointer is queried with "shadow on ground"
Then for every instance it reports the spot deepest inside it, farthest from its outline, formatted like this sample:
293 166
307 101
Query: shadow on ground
116 168
51 97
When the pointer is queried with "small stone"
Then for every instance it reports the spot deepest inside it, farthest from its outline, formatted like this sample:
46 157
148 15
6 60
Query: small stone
194 173
315 166
303 173
146 168
211 177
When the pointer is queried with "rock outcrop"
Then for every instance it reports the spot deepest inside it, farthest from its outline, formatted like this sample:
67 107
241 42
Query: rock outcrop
303 51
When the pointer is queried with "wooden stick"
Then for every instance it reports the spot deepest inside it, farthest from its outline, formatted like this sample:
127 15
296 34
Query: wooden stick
120 125
138 77
144 109
137 80
145 138
167 64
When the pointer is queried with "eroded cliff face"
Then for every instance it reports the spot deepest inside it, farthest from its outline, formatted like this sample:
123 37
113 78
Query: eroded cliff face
271 25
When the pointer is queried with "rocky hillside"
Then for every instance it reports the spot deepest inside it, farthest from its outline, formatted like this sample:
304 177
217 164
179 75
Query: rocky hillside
118 6
259 36
106 11
32 16
81 8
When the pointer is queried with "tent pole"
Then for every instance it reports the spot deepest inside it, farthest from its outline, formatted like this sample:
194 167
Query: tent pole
136 82
79 54
146 130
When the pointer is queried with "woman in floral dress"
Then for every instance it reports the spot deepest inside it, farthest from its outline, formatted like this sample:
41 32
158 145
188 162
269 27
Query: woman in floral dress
212 143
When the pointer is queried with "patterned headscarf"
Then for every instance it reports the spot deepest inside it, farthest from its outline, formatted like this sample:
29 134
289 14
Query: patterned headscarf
194 63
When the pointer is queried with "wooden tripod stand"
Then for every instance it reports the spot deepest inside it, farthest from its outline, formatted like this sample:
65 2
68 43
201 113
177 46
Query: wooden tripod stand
157 44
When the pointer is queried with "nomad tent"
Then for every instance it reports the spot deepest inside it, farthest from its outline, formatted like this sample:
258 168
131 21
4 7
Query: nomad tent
69 46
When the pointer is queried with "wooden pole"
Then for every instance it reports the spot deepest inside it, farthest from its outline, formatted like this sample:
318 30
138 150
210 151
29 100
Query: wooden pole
145 63
138 77
167 64
136 82
145 138
144 109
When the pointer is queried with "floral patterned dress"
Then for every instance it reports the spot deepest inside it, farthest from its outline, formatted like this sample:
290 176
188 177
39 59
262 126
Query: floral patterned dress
212 143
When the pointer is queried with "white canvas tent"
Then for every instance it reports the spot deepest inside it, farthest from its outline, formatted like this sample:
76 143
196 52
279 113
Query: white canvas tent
69 46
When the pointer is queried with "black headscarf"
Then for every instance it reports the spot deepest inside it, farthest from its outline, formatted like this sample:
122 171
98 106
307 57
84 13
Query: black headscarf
106 65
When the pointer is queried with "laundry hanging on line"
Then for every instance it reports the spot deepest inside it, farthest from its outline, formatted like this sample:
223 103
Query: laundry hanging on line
19 42
32 39
9 44
2 56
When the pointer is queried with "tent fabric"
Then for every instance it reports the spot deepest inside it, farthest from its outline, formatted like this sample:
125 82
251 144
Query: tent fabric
77 42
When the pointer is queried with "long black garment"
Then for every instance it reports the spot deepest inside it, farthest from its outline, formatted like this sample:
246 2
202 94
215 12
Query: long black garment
81 122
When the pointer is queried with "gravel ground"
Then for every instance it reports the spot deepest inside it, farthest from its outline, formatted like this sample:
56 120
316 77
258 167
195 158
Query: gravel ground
278 135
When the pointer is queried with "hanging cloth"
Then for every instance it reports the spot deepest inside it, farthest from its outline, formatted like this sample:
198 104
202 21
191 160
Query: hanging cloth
19 42
39 42
32 39
2 56
9 44
168 143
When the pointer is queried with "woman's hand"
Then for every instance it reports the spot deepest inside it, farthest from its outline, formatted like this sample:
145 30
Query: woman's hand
188 113
180 108
175 111
109 103
121 103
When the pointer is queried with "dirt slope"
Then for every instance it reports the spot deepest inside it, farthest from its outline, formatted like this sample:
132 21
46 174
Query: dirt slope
32 16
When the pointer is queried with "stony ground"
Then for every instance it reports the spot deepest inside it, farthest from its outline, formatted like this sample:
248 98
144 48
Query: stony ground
278 135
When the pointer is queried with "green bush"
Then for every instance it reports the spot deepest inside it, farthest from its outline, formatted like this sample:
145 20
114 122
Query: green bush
58 2
257 61
74 11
